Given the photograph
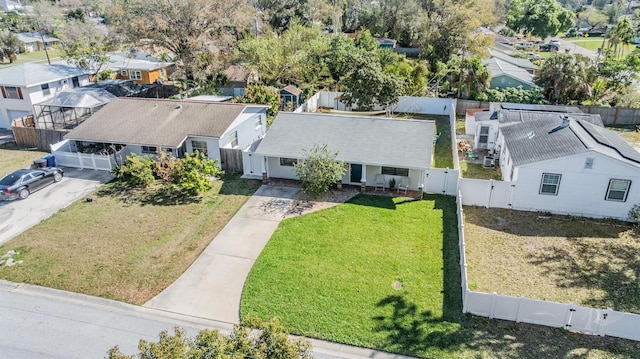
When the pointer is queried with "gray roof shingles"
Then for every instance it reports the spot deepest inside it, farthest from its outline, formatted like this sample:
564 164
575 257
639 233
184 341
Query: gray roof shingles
357 139
164 123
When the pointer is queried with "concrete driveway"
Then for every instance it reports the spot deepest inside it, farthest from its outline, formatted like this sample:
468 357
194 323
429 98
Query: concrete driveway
19 215
212 287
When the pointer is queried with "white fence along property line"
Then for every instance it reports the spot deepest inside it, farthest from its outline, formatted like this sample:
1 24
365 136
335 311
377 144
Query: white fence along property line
603 322
66 158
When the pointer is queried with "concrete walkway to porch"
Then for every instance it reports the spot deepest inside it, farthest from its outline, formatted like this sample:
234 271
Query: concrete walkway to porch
212 287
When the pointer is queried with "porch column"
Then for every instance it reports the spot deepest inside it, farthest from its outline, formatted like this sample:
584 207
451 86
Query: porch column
363 179
265 173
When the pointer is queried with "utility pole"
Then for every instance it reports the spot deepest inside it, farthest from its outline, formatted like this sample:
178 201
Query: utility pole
44 44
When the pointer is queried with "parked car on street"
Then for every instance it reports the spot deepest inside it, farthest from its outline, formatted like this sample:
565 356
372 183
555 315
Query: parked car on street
533 56
21 183
549 48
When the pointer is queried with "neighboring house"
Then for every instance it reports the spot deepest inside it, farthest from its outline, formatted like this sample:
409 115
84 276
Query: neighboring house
125 88
237 78
144 126
503 74
484 126
23 85
371 147
291 97
562 164
34 41
524 64
139 67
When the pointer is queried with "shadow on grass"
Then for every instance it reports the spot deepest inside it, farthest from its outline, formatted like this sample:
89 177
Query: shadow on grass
384 202
541 224
409 330
155 195
613 268
232 184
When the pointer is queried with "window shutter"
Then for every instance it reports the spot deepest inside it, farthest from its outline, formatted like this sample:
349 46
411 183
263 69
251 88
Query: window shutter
4 93
19 92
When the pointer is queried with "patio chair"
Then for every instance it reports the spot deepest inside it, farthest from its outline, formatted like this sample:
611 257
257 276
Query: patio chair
380 183
403 185
471 155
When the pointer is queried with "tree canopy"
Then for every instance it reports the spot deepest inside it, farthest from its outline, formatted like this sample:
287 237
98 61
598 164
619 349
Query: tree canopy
319 170
567 78
538 17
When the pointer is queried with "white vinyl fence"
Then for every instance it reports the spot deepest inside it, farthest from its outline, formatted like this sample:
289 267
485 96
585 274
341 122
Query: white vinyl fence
486 193
442 181
520 309
66 158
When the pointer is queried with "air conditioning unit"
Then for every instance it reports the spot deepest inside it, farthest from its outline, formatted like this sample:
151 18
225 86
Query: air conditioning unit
488 162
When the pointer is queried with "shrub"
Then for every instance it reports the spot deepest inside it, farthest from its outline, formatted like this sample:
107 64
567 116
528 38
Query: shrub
166 167
193 176
137 171
634 213
319 170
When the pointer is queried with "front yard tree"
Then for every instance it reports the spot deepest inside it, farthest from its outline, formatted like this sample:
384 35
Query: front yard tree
538 17
319 170
368 85
84 46
567 78
8 44
263 95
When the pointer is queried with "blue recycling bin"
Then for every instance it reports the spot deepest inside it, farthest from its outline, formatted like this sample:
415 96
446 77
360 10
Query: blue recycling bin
51 160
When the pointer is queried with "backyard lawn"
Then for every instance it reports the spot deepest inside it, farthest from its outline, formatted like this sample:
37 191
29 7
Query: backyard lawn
589 262
383 273
476 170
126 246
35 56
13 157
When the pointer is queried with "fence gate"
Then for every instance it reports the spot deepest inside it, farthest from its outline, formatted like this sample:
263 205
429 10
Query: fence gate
231 160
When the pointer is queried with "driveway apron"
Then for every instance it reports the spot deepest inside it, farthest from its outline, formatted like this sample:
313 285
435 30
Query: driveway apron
212 287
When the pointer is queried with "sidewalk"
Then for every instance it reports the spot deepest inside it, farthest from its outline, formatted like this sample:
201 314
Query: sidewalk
212 287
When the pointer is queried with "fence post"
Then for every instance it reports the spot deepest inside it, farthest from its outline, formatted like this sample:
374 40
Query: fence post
602 324
494 298
79 156
519 306
93 161
568 316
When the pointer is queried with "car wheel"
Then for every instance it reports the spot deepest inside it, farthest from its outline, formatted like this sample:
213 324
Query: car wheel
24 193
57 177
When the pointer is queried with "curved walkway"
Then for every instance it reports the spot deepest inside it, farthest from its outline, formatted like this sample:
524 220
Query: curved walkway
212 287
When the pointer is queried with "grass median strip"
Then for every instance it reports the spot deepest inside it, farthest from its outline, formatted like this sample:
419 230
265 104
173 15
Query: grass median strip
127 248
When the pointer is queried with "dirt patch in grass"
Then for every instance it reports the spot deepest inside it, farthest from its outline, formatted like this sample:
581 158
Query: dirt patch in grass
14 157
124 245
590 262
629 134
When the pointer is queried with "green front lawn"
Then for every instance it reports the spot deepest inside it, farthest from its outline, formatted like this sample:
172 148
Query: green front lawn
35 56
13 157
384 273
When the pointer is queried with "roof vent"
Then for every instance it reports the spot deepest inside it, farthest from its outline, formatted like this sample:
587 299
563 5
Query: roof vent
178 107
565 123
531 135
494 115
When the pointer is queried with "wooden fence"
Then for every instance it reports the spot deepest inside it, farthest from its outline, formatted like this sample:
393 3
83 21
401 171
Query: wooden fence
231 160
36 137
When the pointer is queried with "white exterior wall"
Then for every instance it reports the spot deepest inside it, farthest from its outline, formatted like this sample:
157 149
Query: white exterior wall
276 171
582 191
494 129
248 132
213 151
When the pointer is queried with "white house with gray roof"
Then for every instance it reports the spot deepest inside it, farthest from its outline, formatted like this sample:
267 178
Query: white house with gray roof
34 41
569 165
372 147
24 85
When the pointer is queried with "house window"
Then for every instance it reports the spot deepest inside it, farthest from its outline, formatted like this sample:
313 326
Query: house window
200 146
75 81
124 73
550 183
11 92
258 121
618 190
395 171
288 161
234 139
588 164
149 150
135 75
45 89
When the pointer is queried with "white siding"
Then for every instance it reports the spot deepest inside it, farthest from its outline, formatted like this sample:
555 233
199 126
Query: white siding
582 191
248 132
213 151
493 133
276 171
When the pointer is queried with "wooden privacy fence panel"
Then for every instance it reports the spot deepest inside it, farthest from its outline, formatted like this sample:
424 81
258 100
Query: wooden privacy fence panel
231 160
37 137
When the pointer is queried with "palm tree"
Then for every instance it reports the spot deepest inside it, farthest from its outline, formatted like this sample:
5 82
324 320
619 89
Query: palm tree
469 75
567 78
624 32
8 45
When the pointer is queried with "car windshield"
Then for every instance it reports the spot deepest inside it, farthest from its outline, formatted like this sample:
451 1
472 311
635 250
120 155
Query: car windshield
11 179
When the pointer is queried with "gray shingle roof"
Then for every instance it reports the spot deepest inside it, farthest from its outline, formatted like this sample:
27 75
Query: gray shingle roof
135 61
499 68
27 37
531 141
507 117
154 122
522 63
36 74
357 139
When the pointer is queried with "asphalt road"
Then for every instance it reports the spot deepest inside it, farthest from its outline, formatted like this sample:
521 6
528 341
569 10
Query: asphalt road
38 322
19 215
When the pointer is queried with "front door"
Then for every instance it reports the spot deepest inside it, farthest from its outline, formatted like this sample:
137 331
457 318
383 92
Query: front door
484 137
356 173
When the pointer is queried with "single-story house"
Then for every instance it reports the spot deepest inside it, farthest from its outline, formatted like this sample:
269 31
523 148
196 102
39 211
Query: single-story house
34 41
525 64
139 67
567 165
373 148
386 43
144 126
504 74
290 96
237 78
